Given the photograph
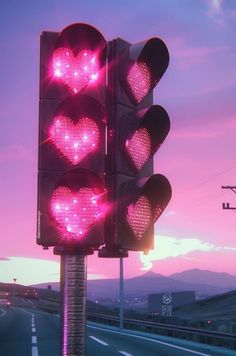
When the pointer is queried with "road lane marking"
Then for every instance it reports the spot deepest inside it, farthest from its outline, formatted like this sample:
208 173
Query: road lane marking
25 311
124 353
149 339
98 340
3 314
34 351
34 338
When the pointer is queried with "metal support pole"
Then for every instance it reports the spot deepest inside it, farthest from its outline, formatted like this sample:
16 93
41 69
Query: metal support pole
73 304
121 293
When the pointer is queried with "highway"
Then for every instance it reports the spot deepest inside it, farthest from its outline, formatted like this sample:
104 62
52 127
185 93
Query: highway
29 332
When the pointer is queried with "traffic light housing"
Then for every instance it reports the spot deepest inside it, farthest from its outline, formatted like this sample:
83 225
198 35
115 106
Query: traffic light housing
72 123
136 129
97 142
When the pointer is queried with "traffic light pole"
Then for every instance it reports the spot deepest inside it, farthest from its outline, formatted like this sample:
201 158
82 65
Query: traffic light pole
73 286
73 304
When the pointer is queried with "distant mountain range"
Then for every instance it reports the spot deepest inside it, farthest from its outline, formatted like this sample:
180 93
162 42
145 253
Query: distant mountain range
222 280
204 283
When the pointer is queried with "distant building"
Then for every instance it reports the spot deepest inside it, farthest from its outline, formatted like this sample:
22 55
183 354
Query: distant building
163 303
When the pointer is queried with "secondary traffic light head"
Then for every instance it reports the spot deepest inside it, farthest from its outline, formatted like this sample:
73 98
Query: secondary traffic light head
143 66
136 129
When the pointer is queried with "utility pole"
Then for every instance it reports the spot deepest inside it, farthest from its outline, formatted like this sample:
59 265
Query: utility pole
226 206
122 301
14 291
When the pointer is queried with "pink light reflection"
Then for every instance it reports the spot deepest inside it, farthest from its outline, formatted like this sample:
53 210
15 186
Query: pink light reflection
75 140
75 212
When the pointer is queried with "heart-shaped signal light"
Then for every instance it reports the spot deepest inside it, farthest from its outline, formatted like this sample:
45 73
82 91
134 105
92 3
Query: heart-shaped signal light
147 63
139 216
74 212
146 140
79 56
139 147
154 196
139 81
75 140
75 71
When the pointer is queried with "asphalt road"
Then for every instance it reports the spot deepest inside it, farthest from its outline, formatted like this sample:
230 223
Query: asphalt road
27 332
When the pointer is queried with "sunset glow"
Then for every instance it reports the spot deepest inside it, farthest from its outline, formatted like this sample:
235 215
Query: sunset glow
198 154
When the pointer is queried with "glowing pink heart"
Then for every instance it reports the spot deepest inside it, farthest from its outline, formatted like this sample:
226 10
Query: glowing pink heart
139 80
75 71
139 147
74 140
139 216
75 213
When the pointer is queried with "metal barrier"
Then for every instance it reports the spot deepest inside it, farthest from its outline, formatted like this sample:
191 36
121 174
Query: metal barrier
198 335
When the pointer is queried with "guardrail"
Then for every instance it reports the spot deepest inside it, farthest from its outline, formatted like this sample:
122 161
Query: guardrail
198 335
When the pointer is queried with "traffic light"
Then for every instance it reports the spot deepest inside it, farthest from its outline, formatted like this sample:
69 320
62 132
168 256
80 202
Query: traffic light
72 123
136 129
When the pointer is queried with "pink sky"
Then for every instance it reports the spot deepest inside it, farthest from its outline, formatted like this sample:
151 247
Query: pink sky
198 156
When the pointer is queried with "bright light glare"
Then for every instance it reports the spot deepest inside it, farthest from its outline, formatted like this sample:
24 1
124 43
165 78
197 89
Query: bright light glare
76 71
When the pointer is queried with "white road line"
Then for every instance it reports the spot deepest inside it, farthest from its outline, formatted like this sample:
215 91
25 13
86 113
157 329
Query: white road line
3 314
34 338
98 340
149 339
124 353
34 351
25 311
